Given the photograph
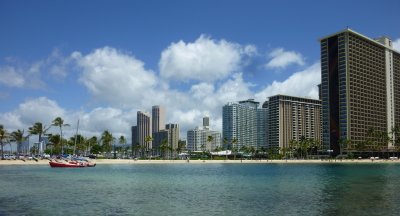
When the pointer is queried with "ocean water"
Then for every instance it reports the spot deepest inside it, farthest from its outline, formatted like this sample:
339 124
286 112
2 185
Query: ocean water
202 189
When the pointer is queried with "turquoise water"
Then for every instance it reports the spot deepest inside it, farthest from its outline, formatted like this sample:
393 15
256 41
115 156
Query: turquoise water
202 189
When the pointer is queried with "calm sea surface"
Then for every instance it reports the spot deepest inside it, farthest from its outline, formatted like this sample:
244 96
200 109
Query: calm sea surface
202 189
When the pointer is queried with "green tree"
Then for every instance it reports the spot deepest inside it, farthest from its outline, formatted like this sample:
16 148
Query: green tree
91 142
38 129
55 142
59 122
225 141
209 140
292 146
234 148
18 135
121 141
181 146
96 149
3 135
148 139
164 148
107 140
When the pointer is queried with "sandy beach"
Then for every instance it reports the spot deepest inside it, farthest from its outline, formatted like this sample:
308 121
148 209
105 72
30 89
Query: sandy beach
121 161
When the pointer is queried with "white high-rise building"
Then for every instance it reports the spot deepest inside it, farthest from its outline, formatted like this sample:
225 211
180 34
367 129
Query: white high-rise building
197 139
244 124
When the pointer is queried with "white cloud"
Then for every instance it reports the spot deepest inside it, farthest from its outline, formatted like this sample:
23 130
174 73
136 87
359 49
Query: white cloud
125 86
302 84
115 77
205 59
396 44
279 58
39 109
92 123
58 64
10 77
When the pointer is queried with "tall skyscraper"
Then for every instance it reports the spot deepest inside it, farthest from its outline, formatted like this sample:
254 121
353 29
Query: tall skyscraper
144 129
244 123
360 88
158 116
291 118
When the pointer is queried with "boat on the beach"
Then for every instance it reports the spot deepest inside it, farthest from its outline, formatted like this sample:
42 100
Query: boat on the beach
72 164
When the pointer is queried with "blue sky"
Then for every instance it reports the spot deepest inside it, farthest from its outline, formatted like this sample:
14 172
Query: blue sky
102 61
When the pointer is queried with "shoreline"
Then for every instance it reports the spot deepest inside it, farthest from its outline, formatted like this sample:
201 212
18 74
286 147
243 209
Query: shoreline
129 161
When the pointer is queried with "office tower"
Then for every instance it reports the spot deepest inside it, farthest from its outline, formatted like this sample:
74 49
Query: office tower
144 130
243 123
158 116
206 122
197 139
360 89
293 118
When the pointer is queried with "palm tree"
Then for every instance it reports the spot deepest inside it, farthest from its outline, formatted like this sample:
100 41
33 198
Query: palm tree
203 149
225 141
3 135
55 142
107 139
121 141
59 122
292 145
164 147
18 135
38 129
91 142
181 146
209 140
234 148
148 139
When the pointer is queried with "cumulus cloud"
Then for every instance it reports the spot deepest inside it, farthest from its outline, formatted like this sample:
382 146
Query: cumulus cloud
203 60
396 44
115 77
279 58
92 123
302 84
34 110
125 85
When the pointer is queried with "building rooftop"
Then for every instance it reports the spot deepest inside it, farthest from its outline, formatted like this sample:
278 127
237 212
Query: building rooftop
362 36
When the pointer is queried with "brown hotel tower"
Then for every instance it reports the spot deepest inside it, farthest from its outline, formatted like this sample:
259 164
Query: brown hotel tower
360 89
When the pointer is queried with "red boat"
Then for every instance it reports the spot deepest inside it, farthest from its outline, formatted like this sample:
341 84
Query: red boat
72 164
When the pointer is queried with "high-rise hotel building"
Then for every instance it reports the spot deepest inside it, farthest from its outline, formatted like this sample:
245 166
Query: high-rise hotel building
246 123
292 118
360 88
144 130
